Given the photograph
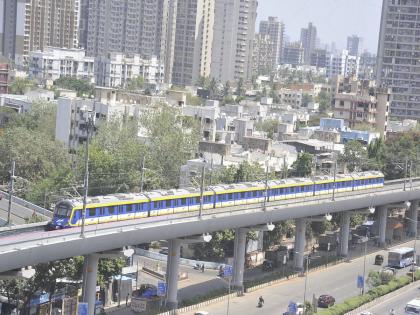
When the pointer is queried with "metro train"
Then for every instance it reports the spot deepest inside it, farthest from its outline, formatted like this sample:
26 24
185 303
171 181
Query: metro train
118 207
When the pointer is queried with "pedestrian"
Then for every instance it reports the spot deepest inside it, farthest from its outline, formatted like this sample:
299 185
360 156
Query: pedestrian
126 299
202 268
392 312
313 249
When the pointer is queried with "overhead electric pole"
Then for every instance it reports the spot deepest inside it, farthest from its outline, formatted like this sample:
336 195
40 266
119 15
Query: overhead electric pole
11 185
86 181
203 173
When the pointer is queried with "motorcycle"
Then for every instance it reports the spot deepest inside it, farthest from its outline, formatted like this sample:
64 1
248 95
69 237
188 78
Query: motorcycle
260 304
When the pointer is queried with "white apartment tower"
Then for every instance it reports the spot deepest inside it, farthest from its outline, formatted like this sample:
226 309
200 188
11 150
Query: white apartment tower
234 31
193 41
275 29
399 56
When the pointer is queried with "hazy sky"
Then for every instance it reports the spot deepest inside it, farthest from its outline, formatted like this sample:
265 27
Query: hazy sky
334 19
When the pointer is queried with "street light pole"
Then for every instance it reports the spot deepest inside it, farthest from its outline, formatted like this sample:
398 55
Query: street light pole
364 268
266 188
203 172
335 175
306 281
414 249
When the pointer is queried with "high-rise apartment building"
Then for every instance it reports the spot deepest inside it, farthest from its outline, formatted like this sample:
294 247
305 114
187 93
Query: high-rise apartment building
308 39
234 31
193 41
342 64
12 29
144 27
52 23
293 54
354 45
275 29
264 55
399 56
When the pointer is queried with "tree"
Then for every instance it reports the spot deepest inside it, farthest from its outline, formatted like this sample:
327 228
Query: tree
240 91
354 156
22 85
302 167
282 229
220 246
268 126
83 87
306 99
226 89
245 172
324 99
136 83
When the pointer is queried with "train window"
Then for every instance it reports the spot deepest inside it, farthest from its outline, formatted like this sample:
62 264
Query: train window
168 203
230 196
111 210
183 201
129 208
120 209
92 213
198 200
292 189
156 205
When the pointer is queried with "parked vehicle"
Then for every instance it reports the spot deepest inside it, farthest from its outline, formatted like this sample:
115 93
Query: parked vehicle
326 301
379 259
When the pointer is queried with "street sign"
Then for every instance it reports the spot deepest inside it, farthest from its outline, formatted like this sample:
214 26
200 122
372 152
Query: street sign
292 308
41 299
227 271
360 282
83 309
161 288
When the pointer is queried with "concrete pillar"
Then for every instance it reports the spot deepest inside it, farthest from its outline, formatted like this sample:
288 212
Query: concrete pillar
382 218
90 273
412 215
239 258
172 273
344 233
300 241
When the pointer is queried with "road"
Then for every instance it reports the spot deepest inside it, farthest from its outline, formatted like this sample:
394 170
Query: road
338 281
397 302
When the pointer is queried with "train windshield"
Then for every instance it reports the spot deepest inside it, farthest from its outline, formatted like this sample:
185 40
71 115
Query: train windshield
62 210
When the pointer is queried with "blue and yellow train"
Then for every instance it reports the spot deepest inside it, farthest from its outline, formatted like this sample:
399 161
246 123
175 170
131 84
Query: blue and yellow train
118 207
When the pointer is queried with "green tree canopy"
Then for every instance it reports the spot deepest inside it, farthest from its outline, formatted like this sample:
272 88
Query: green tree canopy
22 85
354 157
82 87
302 167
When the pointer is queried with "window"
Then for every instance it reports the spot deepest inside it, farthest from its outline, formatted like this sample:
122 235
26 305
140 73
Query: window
129 208
156 205
183 201
92 213
168 203
111 210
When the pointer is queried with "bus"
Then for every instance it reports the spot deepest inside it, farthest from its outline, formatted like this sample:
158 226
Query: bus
401 257
412 307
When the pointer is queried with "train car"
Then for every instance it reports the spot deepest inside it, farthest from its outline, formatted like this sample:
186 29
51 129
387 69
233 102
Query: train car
118 207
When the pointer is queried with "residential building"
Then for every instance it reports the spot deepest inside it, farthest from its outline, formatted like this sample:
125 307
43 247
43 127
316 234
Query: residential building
52 23
293 54
72 117
308 38
5 75
343 64
144 27
116 70
367 66
193 41
354 45
399 56
206 115
13 44
263 62
234 30
319 58
53 63
275 30
368 106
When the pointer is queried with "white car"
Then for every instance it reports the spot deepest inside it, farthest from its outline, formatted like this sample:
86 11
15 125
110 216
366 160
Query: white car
365 313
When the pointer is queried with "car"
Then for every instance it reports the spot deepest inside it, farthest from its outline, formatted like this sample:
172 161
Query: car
379 259
365 313
267 265
201 313
326 301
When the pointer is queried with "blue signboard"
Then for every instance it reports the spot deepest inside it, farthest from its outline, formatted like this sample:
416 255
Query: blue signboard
292 308
360 282
83 309
161 288
227 271
41 299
